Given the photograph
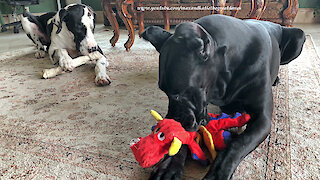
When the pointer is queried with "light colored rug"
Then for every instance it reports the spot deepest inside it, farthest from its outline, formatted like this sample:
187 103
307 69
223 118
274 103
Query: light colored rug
67 128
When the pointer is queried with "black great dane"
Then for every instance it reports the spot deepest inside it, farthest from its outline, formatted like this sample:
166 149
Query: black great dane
230 63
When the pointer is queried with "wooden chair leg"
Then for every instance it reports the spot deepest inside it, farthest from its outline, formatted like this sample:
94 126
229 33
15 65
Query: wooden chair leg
140 18
122 7
107 7
212 4
221 4
257 7
290 13
165 15
261 4
237 3
134 14
253 8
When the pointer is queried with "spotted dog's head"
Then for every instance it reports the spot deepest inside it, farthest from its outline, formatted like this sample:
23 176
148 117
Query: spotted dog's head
80 21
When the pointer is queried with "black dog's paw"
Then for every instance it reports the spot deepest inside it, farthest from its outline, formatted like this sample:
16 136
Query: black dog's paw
170 168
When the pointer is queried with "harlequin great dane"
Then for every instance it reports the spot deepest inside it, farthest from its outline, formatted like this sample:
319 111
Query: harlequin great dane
230 63
66 34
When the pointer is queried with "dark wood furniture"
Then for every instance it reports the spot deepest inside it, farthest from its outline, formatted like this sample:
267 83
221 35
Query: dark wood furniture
279 11
122 9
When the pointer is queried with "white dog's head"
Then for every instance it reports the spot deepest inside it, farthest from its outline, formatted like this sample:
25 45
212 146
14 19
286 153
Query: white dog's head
80 21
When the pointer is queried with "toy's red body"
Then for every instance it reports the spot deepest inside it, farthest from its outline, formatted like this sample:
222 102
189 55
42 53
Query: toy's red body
220 122
151 149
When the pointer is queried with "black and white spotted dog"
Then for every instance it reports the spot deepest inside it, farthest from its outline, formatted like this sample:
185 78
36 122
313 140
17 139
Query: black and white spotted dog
66 34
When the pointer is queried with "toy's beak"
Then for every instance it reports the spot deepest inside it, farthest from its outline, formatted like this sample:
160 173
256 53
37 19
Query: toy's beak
175 146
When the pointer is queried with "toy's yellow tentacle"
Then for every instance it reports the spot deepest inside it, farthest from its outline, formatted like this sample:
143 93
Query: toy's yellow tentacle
175 146
207 138
156 115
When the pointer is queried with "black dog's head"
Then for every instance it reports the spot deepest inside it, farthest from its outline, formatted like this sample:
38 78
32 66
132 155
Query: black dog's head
182 70
80 20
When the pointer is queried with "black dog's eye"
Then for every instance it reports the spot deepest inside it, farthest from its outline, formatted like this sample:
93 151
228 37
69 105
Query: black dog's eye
176 97
161 136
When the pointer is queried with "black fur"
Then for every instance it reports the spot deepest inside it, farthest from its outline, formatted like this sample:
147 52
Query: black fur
41 22
230 63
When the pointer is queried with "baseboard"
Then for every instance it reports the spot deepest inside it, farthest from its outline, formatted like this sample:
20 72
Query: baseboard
305 15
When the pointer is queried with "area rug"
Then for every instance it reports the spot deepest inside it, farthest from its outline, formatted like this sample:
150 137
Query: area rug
67 128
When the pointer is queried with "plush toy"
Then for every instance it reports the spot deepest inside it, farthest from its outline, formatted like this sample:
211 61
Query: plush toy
214 134
168 136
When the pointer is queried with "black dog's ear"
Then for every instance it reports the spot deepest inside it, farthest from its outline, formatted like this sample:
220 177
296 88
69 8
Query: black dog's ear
63 15
291 44
206 48
196 39
156 36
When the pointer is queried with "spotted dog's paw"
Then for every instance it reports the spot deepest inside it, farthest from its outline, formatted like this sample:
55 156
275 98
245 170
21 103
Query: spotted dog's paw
102 79
40 54
66 63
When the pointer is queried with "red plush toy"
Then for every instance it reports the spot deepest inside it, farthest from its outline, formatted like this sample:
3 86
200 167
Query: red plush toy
168 136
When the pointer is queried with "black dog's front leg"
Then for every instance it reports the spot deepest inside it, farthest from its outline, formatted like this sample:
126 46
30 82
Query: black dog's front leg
171 167
257 130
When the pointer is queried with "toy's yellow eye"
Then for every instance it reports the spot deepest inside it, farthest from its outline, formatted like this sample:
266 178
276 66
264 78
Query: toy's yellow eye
161 136
156 130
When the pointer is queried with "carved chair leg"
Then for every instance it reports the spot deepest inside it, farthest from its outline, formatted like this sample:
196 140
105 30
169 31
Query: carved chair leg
140 18
253 8
107 7
165 15
237 3
212 5
262 4
134 14
221 4
122 8
290 13
257 7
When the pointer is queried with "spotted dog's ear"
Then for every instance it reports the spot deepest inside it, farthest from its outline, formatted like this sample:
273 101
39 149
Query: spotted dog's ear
63 16
291 44
156 36
91 11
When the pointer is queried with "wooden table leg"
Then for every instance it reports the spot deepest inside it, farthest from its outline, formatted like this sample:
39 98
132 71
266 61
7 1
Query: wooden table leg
122 8
237 3
107 7
212 5
140 18
165 15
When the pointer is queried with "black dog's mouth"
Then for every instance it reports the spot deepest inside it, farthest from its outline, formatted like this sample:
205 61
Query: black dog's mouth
187 119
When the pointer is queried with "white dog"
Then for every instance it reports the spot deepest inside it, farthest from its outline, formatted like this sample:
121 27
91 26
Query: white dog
66 34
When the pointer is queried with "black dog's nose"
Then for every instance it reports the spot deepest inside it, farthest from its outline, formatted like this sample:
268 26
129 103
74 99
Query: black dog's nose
93 49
